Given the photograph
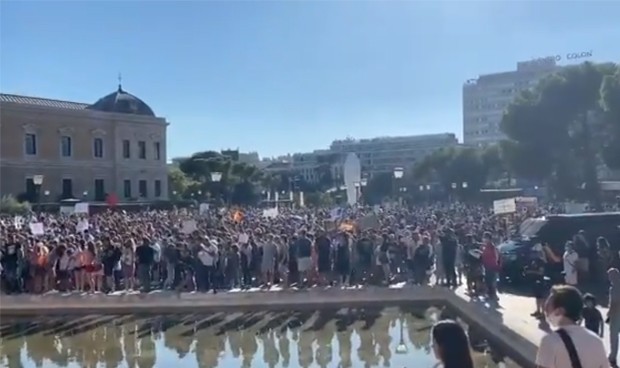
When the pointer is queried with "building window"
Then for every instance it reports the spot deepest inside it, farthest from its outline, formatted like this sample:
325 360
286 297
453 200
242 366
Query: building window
157 149
67 188
142 188
99 190
142 150
127 188
98 147
31 144
126 148
157 188
65 146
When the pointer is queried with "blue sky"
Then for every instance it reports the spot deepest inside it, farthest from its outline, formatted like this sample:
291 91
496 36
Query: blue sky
288 76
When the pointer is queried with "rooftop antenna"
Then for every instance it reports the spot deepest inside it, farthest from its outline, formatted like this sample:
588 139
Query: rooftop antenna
120 81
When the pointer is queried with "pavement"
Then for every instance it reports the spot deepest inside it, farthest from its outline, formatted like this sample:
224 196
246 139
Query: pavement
514 311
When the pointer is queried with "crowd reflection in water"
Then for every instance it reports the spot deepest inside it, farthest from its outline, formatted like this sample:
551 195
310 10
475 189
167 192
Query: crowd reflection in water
329 338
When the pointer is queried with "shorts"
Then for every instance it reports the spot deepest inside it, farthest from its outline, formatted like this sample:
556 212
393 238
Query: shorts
304 264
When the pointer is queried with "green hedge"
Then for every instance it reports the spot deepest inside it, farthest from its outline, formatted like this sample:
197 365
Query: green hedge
11 206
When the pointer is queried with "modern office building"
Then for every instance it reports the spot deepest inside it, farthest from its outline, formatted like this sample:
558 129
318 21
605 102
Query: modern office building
486 98
383 154
61 149
309 166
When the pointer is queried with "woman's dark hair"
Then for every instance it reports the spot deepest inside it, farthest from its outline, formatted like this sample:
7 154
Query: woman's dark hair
453 344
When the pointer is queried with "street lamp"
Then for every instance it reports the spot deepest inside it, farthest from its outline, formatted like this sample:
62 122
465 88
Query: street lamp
216 177
464 185
85 193
398 173
453 185
37 180
364 182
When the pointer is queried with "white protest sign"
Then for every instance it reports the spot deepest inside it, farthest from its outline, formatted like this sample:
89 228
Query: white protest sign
67 210
18 221
243 238
36 228
570 207
204 209
189 226
82 226
270 212
335 213
81 207
503 206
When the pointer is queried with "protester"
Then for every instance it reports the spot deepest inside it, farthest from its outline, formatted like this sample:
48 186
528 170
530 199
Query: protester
570 345
451 345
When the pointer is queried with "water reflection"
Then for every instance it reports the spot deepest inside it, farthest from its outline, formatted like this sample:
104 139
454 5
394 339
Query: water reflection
327 338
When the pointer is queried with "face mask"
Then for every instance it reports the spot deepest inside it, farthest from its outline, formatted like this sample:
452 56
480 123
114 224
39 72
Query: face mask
554 319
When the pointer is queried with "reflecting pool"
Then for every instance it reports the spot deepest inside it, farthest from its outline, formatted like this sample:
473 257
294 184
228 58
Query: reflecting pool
390 337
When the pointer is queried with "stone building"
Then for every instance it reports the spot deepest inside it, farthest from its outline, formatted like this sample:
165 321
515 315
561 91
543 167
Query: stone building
116 145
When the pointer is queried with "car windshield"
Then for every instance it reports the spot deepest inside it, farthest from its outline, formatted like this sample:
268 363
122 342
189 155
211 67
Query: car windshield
530 227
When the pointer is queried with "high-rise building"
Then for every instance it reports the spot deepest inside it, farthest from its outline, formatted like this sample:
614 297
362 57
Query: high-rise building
486 98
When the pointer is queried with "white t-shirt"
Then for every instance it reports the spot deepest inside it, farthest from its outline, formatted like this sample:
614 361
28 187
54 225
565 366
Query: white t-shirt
552 352
570 267
206 258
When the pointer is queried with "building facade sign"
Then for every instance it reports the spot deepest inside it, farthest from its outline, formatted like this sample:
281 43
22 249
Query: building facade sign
569 56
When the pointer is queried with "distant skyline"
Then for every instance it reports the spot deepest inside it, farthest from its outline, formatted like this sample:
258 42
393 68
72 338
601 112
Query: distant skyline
281 77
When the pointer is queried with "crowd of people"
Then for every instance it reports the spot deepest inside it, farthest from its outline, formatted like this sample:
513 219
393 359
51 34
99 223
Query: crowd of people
243 248
211 250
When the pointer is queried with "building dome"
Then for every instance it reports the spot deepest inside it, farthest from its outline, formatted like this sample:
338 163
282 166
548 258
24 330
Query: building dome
122 102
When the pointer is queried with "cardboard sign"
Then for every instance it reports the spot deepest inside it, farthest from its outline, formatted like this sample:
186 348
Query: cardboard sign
81 207
189 227
369 222
82 226
36 228
504 206
67 210
271 212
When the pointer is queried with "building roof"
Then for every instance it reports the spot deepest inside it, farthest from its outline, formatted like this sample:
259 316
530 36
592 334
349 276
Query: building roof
39 101
122 102
118 101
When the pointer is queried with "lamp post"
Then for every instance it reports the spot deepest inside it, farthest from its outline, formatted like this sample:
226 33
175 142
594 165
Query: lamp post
398 175
216 177
37 180
363 183
398 172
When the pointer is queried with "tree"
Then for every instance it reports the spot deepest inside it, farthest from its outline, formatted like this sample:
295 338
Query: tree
557 130
379 186
178 183
447 170
610 102
238 182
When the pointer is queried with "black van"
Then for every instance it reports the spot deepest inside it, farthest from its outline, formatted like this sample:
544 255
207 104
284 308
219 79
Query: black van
555 230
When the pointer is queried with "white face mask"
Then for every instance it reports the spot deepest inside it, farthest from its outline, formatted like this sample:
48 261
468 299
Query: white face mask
554 319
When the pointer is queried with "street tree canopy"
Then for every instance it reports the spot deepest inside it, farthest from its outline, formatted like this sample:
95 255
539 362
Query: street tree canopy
560 131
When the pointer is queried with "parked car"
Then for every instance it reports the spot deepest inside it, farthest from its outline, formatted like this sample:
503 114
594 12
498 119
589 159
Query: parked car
554 230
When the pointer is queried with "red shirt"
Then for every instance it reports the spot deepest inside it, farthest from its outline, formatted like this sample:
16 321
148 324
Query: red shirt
490 257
